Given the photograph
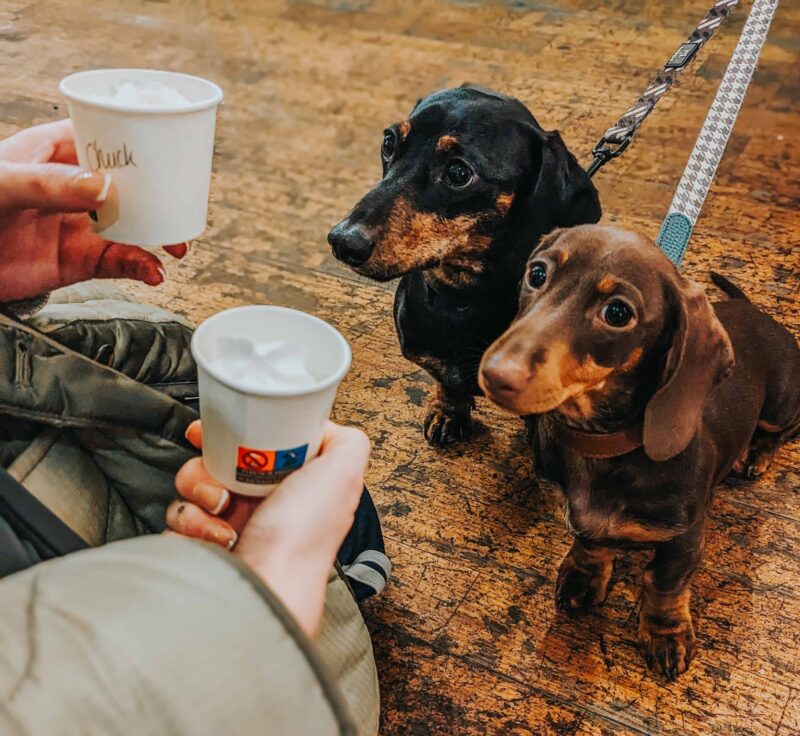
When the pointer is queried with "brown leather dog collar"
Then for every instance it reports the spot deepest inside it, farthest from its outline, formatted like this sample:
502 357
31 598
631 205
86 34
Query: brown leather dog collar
596 445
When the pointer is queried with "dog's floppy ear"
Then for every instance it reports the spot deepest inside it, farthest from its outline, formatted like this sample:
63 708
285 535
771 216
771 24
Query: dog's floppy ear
700 356
562 187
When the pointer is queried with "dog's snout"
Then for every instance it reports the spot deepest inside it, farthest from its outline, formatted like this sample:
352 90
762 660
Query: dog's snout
504 377
350 243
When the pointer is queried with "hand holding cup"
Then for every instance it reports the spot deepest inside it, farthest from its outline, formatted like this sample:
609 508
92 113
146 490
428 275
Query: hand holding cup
289 539
46 238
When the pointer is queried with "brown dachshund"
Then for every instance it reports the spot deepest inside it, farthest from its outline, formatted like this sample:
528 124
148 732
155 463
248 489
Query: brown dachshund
641 396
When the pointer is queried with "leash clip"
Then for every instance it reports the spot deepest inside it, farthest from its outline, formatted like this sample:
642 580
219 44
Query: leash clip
603 152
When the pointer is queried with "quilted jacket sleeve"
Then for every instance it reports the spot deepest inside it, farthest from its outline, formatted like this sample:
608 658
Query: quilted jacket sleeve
157 636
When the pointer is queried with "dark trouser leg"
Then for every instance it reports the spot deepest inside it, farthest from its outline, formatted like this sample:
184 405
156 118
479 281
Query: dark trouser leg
583 576
666 634
448 417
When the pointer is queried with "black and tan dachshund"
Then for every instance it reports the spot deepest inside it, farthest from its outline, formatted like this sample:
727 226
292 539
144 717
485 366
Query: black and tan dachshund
644 396
470 181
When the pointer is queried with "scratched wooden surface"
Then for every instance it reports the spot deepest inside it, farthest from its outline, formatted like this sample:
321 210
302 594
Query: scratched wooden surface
466 636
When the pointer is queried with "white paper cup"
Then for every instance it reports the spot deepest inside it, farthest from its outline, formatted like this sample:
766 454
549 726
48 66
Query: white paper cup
159 158
254 439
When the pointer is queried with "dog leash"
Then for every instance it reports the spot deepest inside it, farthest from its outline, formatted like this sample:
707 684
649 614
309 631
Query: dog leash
717 128
709 148
619 136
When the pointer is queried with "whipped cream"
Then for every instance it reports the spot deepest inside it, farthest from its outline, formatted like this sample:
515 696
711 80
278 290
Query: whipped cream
263 366
144 94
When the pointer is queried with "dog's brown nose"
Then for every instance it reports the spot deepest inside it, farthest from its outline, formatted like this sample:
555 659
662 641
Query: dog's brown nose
503 377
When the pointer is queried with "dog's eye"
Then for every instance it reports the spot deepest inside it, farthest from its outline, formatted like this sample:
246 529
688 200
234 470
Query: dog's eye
537 274
617 313
458 173
389 144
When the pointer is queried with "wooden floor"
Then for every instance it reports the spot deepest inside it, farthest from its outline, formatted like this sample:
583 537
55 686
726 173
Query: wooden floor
466 636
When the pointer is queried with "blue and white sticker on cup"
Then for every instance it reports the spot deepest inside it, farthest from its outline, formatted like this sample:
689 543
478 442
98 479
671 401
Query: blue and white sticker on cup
262 467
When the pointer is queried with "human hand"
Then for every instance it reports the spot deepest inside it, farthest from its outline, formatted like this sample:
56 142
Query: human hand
290 538
46 235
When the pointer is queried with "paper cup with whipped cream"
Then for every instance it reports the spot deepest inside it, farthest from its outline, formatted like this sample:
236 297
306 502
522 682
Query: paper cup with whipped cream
268 377
153 133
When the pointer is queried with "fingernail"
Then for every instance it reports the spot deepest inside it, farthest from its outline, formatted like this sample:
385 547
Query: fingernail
223 536
106 186
92 184
149 274
209 491
223 501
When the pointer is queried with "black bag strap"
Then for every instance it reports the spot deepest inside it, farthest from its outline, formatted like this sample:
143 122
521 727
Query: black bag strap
34 522
362 556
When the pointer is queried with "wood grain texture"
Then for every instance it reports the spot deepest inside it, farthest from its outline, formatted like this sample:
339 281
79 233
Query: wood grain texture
467 637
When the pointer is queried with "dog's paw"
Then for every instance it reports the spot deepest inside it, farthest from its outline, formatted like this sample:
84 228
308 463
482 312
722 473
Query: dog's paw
667 652
758 463
754 463
579 589
739 467
444 426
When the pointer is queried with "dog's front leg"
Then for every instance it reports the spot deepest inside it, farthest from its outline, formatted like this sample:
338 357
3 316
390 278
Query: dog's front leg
666 634
449 417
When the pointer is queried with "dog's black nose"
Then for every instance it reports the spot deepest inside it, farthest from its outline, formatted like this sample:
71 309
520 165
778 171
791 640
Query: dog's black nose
350 243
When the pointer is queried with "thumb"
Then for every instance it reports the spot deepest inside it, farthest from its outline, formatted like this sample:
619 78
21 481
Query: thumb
51 187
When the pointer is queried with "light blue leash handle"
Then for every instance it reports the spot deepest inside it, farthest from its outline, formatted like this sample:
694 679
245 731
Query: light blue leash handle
674 236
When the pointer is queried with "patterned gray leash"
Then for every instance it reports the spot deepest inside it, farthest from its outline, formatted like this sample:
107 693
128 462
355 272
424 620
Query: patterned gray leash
710 145
618 137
